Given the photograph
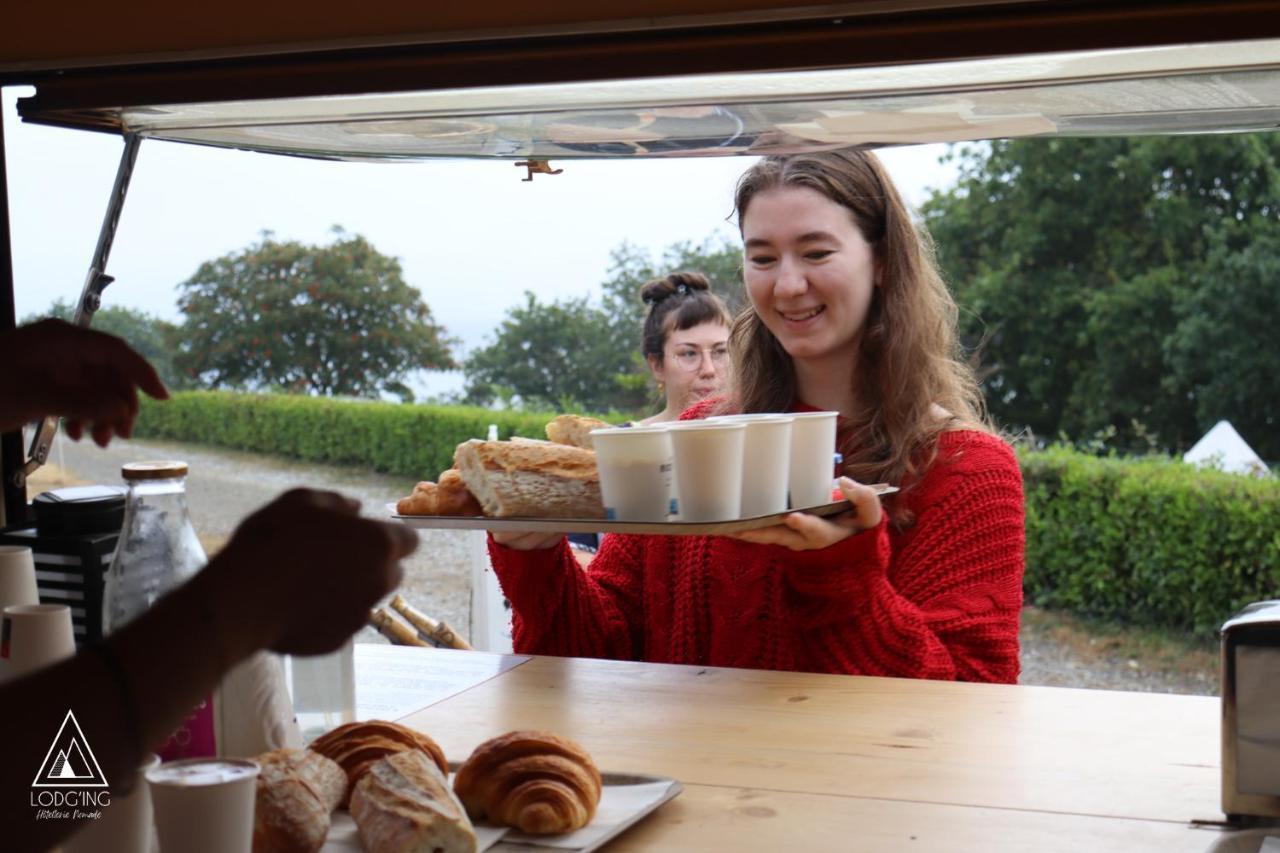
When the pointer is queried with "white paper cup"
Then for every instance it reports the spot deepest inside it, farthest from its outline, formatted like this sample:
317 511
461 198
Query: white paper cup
204 805
766 461
125 826
635 472
813 453
708 469
36 635
17 586
17 576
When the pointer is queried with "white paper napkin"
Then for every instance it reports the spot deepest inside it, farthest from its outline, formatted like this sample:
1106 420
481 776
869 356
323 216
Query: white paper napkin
618 805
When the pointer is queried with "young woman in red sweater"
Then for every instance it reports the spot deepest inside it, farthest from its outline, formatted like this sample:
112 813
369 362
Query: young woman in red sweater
848 314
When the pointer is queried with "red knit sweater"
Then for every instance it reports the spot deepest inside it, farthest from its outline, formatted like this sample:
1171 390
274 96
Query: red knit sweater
939 599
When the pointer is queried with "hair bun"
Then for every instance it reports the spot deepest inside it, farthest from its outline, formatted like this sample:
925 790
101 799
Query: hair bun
676 284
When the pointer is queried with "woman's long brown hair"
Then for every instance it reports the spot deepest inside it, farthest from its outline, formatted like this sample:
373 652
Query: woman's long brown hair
909 360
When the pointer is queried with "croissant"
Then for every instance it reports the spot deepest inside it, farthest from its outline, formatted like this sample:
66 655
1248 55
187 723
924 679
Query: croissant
357 746
448 497
538 782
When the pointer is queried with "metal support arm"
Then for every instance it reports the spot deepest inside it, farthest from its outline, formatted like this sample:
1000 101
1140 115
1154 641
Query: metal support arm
90 296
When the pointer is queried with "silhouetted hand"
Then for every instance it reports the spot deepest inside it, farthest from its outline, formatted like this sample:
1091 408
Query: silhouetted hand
300 575
90 378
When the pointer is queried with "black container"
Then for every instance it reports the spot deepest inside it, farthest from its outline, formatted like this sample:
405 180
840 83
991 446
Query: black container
79 511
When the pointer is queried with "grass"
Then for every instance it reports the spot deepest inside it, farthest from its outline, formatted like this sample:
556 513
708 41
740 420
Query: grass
1151 649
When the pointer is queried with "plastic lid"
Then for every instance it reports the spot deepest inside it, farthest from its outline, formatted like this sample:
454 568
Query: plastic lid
706 424
165 470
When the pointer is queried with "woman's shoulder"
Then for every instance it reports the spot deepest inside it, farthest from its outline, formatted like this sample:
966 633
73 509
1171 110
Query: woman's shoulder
970 449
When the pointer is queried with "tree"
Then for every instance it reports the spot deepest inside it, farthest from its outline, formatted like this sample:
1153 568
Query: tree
151 336
1076 261
561 355
630 267
1226 348
333 319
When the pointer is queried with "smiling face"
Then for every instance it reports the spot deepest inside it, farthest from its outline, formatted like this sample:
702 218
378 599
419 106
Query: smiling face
809 272
694 364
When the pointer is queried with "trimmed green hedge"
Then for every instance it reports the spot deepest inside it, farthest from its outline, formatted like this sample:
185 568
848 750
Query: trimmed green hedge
1148 541
416 441
1143 541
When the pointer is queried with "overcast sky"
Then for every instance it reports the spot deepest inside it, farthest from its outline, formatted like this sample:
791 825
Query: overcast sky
471 236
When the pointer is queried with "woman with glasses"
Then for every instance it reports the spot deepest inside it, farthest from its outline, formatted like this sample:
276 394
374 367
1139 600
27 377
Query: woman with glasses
685 342
848 314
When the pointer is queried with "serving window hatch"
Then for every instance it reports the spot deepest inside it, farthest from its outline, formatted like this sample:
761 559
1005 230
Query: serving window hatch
1225 87
1178 89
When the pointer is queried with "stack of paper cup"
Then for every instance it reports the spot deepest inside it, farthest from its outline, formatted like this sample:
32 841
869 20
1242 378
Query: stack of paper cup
35 636
204 805
766 461
635 472
708 466
813 448
17 576
17 586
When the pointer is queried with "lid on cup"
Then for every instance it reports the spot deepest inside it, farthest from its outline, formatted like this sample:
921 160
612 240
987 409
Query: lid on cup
798 415
706 423
629 430
755 416
165 470
202 771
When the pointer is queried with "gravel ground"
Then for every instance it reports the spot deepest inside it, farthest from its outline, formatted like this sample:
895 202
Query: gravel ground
224 486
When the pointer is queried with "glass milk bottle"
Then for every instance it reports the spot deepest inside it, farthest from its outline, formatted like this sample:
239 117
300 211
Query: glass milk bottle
157 551
249 712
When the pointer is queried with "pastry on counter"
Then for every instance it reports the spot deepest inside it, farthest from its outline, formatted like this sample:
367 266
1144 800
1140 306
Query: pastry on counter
297 791
357 746
403 805
537 782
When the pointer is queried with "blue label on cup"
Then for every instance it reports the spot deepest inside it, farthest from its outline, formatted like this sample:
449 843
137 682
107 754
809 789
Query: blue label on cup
674 507
610 514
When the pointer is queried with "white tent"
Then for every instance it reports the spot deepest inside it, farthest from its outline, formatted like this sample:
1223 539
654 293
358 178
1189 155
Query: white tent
1222 447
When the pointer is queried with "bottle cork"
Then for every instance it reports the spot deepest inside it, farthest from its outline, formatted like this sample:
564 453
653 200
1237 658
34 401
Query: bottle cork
393 629
435 632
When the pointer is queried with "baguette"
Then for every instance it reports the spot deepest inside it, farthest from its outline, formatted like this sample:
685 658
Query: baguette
404 805
532 480
297 791
573 430
358 746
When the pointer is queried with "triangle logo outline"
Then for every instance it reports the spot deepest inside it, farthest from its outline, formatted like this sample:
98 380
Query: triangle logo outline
70 762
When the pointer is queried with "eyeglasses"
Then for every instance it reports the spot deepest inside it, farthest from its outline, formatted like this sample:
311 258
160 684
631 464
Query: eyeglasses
690 357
